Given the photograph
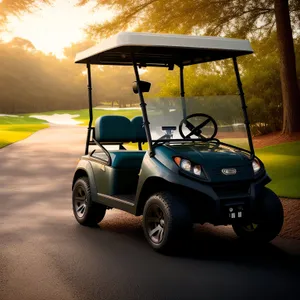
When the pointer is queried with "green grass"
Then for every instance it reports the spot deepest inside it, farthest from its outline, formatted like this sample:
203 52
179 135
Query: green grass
13 129
238 142
13 133
84 114
20 120
282 163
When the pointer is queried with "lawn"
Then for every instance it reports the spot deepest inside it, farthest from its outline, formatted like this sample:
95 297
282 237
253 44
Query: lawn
84 114
282 163
13 129
238 142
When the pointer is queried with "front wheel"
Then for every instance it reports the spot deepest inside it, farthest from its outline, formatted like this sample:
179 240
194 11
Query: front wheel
166 221
269 219
86 212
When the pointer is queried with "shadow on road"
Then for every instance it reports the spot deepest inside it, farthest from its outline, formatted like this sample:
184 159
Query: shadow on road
205 243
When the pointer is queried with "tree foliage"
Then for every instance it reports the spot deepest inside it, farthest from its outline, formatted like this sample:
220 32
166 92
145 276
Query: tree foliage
13 7
236 18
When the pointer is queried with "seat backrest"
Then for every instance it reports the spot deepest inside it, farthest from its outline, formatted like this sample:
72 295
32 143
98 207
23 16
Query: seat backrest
139 133
113 129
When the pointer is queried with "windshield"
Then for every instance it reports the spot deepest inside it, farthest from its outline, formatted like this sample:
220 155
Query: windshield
166 114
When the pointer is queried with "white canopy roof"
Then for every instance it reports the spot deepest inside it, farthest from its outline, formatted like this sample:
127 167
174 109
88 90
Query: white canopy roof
162 49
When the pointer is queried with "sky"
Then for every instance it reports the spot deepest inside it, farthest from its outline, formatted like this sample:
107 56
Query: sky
51 28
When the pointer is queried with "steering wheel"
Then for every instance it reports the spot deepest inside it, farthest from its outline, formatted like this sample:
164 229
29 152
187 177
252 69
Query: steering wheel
197 130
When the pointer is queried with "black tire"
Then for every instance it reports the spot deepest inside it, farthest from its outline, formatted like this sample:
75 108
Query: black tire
86 212
269 221
166 222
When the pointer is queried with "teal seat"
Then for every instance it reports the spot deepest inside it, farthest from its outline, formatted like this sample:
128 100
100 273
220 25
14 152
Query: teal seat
114 129
139 132
126 159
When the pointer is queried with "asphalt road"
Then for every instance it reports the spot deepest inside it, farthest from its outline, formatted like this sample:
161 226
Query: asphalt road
45 254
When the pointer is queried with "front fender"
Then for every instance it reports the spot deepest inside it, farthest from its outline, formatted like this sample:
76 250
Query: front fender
152 167
84 168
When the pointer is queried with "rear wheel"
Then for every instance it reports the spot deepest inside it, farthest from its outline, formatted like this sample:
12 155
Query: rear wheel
268 222
86 212
166 221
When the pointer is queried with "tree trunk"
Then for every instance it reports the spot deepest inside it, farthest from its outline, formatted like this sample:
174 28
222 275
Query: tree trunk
289 83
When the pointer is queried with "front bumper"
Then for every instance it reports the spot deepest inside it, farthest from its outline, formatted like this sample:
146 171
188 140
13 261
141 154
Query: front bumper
222 204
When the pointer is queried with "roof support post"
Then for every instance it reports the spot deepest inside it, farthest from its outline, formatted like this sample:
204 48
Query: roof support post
182 92
89 76
244 106
143 106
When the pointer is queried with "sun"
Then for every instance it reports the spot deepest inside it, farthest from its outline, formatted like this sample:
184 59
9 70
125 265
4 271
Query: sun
51 28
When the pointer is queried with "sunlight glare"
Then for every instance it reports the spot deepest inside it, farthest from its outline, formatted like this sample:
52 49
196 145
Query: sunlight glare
51 28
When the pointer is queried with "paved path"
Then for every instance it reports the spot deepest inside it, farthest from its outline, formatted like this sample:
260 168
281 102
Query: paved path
45 254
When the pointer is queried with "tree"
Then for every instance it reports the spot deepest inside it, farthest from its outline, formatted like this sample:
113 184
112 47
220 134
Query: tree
32 81
13 7
289 84
235 18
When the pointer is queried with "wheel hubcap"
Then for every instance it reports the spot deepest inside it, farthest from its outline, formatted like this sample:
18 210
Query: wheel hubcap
155 224
80 202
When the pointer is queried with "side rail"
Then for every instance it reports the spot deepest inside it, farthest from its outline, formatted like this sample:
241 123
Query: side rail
104 150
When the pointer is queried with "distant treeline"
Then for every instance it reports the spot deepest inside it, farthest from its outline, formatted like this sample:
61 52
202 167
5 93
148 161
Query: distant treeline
31 81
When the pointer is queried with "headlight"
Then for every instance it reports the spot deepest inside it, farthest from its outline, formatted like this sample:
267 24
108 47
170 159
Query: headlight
187 166
197 170
255 165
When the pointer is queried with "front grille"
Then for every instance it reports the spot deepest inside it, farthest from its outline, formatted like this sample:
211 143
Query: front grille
227 190
217 172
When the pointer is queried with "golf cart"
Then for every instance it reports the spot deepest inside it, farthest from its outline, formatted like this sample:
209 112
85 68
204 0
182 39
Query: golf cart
188 174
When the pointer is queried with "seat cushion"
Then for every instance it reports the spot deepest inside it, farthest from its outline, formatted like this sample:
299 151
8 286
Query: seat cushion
139 132
125 159
113 129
